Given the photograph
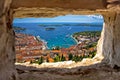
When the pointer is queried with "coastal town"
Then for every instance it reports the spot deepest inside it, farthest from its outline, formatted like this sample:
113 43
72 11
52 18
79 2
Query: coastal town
34 50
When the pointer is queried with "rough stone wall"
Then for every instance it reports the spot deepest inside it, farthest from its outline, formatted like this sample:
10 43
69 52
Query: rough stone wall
115 56
113 37
7 51
109 44
71 4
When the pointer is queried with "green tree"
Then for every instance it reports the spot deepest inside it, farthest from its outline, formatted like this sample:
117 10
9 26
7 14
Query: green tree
80 58
76 58
92 54
57 58
40 60
62 58
70 56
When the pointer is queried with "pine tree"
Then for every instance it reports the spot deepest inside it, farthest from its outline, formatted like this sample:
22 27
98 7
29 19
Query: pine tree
62 58
70 56
40 61
76 58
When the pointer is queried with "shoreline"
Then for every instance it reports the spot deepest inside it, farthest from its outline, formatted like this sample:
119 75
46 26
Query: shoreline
39 39
74 39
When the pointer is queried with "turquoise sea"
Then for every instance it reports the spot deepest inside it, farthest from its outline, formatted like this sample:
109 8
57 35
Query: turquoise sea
60 34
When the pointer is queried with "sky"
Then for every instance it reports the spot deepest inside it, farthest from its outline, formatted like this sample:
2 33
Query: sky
61 19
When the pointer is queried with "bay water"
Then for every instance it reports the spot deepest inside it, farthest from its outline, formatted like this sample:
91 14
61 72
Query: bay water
57 34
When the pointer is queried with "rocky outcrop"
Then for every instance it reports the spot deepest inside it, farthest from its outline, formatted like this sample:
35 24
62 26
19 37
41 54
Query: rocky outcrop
112 38
109 45
7 51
